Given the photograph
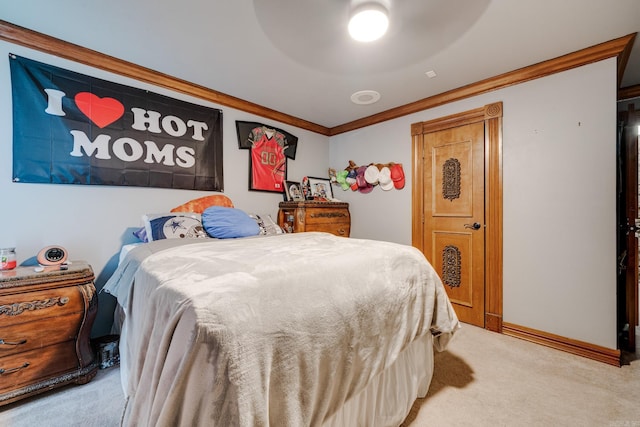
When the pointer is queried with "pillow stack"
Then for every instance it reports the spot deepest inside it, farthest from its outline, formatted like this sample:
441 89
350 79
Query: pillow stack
218 222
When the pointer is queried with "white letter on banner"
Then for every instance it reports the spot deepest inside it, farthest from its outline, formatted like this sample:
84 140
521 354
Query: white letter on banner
155 155
198 127
80 140
55 102
121 153
168 122
186 157
142 118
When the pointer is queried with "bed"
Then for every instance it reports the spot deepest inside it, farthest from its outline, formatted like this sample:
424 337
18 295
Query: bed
304 329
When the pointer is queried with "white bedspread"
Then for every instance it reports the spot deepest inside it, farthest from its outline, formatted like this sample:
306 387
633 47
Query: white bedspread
277 330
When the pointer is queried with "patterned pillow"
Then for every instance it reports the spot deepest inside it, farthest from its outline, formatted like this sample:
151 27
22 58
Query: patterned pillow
179 225
267 225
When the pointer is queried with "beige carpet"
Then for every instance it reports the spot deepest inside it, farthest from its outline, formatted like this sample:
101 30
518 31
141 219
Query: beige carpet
98 403
488 379
483 379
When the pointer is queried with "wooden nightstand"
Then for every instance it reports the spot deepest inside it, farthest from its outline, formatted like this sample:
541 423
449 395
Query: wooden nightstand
45 326
297 217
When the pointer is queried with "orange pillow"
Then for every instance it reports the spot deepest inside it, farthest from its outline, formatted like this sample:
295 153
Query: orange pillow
202 203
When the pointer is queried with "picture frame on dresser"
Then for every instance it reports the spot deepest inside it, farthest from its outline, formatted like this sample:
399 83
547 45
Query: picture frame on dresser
321 188
293 192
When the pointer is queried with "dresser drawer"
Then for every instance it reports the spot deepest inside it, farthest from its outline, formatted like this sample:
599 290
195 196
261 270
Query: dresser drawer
21 369
37 334
29 306
341 230
327 216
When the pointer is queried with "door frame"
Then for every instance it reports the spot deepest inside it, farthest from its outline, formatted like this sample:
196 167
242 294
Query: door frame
627 299
491 115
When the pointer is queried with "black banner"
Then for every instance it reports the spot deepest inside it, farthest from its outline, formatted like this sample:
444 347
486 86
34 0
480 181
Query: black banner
69 128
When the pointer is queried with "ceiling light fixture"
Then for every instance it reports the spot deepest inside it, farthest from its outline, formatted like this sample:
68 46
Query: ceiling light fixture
369 21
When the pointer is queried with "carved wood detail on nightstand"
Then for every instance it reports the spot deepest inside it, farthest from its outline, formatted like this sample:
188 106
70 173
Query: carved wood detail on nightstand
45 326
18 308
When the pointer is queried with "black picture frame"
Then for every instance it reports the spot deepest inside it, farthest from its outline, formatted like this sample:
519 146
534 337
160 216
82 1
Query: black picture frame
254 136
293 191
321 188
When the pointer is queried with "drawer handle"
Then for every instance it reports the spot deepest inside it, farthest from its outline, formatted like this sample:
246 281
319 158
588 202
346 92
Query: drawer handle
20 307
11 370
328 215
3 342
341 231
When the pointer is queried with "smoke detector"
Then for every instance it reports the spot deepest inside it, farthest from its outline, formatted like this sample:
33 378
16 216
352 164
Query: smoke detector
365 97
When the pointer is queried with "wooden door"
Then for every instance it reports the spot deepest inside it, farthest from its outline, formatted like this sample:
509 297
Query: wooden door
454 216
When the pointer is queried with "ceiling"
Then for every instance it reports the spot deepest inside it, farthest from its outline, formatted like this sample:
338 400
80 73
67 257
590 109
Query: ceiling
295 56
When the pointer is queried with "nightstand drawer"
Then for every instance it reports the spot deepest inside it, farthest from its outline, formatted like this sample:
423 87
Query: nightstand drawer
37 334
28 306
24 368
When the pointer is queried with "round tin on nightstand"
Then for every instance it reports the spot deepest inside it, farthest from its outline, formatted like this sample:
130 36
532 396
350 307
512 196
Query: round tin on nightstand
8 258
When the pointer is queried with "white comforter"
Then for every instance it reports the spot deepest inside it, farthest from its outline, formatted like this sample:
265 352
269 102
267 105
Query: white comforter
277 331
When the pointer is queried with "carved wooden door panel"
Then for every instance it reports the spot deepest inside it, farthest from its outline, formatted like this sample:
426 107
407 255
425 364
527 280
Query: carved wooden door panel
454 215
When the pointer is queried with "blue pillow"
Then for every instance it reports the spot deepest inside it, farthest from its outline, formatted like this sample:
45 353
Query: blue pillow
227 223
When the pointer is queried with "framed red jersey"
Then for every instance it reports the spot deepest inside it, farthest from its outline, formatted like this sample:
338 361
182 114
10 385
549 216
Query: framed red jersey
270 148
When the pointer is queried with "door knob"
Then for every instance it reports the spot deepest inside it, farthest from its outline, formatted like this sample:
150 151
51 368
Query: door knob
474 226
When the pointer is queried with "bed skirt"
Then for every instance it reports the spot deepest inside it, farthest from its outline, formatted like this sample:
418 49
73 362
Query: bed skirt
388 398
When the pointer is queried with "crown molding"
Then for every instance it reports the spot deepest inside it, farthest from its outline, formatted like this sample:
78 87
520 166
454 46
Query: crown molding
53 46
619 48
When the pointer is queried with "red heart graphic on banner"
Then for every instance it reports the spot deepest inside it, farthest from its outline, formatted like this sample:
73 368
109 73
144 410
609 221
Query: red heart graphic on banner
101 111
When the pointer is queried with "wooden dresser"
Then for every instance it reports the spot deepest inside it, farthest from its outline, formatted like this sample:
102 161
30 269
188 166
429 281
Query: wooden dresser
45 325
297 217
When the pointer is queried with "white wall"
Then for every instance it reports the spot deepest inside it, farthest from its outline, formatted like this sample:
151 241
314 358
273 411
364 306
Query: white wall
559 153
559 195
92 222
